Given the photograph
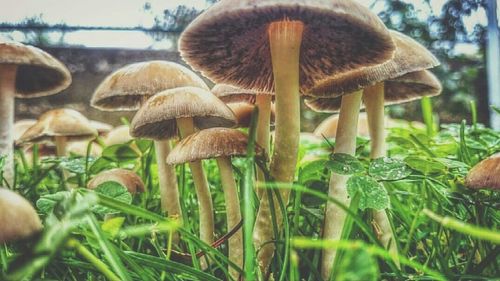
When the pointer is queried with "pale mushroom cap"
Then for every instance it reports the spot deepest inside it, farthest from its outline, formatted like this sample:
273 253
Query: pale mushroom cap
128 87
328 128
229 42
410 56
118 135
38 74
211 143
22 126
485 175
80 148
243 112
157 117
101 127
127 178
59 122
407 88
17 217
231 94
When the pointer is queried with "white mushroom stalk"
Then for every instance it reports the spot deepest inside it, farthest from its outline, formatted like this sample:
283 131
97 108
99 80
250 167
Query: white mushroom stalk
167 177
345 142
373 98
7 92
285 39
263 103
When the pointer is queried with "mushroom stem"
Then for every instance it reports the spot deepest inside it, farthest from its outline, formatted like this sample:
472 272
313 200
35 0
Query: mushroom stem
373 98
285 38
61 146
168 180
263 102
7 94
345 142
186 128
233 214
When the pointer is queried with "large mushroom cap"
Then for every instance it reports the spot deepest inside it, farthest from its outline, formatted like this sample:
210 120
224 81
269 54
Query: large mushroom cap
211 143
59 122
231 94
129 86
22 126
410 56
406 88
38 73
156 118
485 175
118 135
229 42
101 127
17 217
243 112
127 178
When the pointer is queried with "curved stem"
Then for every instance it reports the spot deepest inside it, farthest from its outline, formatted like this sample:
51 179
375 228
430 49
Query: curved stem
186 128
233 214
7 94
263 102
285 38
345 142
373 98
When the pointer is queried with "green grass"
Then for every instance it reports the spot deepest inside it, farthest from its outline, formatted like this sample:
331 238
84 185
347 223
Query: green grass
444 231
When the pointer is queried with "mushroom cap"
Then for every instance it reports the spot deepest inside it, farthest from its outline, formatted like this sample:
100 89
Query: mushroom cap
101 127
21 126
211 143
243 112
406 88
17 217
229 42
410 56
59 122
118 135
128 87
80 148
485 175
38 73
232 94
157 117
127 178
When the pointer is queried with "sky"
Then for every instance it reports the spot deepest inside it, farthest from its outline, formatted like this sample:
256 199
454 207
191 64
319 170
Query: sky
131 13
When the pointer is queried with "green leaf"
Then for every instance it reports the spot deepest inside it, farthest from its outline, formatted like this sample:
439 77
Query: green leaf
114 190
314 170
425 165
388 169
372 194
143 145
112 226
100 165
74 165
47 202
119 153
357 265
344 164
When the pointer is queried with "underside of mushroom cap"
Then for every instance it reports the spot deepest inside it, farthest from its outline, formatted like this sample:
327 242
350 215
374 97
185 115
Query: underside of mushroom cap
59 122
38 73
409 87
232 94
410 56
127 178
128 87
17 217
243 112
211 143
485 175
157 117
229 42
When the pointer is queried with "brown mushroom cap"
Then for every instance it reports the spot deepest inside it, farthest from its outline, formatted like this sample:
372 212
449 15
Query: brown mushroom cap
243 112
22 126
232 94
38 73
211 143
59 122
229 43
17 217
485 175
409 87
129 86
127 178
101 127
157 117
410 56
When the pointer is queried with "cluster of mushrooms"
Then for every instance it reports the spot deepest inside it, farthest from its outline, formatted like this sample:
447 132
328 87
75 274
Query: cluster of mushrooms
335 55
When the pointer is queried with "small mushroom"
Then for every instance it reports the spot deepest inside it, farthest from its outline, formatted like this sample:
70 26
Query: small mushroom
118 135
485 175
17 217
101 127
59 126
183 110
25 72
127 178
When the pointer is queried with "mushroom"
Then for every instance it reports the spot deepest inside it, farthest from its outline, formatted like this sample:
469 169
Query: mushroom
127 89
118 135
101 127
485 175
282 46
59 126
81 147
18 218
184 109
25 72
243 112
410 57
127 178
220 144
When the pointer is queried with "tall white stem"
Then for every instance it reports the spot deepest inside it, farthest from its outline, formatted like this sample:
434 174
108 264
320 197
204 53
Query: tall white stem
263 103
168 181
61 146
345 142
7 93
